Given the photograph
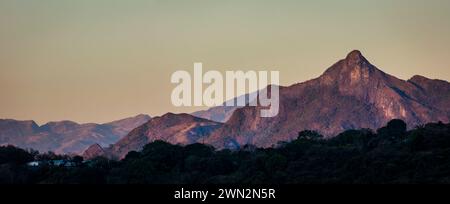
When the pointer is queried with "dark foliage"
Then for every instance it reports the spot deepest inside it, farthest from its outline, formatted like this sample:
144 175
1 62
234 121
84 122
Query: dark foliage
391 155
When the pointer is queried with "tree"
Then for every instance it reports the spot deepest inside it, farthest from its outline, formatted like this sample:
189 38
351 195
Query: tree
132 155
394 131
309 135
14 155
397 126
78 160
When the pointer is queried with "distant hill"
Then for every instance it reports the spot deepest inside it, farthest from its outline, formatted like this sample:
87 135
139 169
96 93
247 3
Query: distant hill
65 136
174 128
223 113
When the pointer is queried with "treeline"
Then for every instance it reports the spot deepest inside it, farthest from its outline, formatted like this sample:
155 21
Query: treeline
390 155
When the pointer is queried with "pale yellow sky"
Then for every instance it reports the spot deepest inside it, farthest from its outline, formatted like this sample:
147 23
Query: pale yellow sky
100 60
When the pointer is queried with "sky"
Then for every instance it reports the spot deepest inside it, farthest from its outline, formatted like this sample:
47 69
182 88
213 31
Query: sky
102 60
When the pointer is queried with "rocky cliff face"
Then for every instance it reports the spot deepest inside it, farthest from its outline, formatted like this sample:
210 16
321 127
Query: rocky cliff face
93 151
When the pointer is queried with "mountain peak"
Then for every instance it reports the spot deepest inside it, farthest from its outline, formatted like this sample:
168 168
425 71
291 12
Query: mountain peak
355 57
354 69
93 151
131 122
354 53
430 85
418 79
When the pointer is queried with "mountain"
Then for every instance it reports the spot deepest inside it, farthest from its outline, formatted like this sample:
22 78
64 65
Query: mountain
93 151
218 114
16 130
351 94
174 128
65 136
124 126
222 113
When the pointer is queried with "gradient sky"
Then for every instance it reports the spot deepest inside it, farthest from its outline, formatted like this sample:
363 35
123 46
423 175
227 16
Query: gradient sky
100 60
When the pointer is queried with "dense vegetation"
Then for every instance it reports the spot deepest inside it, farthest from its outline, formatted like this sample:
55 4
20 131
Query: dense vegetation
390 155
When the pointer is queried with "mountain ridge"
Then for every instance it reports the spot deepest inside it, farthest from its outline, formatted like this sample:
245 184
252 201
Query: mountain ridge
351 94
65 136
174 128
